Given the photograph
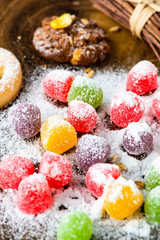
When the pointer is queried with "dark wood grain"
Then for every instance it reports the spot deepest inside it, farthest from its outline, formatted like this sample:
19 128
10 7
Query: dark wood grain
22 17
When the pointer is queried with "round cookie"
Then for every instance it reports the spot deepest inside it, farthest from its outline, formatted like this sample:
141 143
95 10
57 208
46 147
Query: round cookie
82 42
10 77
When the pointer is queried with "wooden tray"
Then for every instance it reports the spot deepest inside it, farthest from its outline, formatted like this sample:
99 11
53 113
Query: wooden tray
18 20
21 18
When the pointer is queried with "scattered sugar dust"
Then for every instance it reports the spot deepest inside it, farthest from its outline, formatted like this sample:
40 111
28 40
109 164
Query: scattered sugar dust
14 224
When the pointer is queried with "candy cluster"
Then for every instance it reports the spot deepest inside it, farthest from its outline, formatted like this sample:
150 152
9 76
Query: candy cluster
103 178
34 190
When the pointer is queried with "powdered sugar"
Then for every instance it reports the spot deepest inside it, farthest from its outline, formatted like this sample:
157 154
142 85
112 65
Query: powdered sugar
118 190
16 225
138 227
156 164
144 68
128 98
135 129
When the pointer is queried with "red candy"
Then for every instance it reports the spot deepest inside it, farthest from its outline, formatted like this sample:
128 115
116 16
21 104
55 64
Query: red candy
34 194
98 175
81 116
142 78
56 168
13 169
156 104
126 107
57 84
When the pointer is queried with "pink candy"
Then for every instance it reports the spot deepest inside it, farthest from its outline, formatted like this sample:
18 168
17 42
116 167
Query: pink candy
13 169
98 175
57 84
126 107
142 78
81 116
156 105
57 169
34 194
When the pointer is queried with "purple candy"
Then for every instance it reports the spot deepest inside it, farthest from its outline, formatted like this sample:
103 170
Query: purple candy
91 150
25 119
137 138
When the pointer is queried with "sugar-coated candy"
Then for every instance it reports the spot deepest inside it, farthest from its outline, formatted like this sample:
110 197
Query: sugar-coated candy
137 138
123 198
126 107
56 168
142 78
34 194
57 84
98 176
91 149
152 205
84 89
75 226
152 179
57 135
25 119
81 116
156 104
13 169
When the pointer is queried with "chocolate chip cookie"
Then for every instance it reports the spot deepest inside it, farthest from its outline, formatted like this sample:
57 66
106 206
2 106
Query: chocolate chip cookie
81 42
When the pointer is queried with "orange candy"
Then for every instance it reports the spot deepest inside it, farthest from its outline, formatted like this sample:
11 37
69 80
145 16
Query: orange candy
123 199
63 21
57 135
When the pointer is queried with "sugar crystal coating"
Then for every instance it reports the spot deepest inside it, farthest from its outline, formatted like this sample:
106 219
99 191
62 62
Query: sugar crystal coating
142 78
152 179
152 205
81 116
34 194
126 107
84 89
123 198
13 170
75 226
91 150
25 119
57 169
57 84
98 175
137 138
156 104
57 135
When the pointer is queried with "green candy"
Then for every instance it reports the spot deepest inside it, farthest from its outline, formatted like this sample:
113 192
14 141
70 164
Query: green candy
153 176
75 226
84 89
152 205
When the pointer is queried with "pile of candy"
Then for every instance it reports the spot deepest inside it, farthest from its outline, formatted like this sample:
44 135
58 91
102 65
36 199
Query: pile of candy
122 197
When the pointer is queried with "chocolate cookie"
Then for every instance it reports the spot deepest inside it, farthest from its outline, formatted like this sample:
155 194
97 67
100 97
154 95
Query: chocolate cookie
81 43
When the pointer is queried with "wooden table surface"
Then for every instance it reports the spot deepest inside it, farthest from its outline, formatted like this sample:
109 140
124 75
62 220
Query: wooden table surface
22 17
19 19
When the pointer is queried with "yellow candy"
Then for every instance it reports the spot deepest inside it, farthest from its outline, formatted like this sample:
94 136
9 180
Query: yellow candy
57 135
123 198
63 21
